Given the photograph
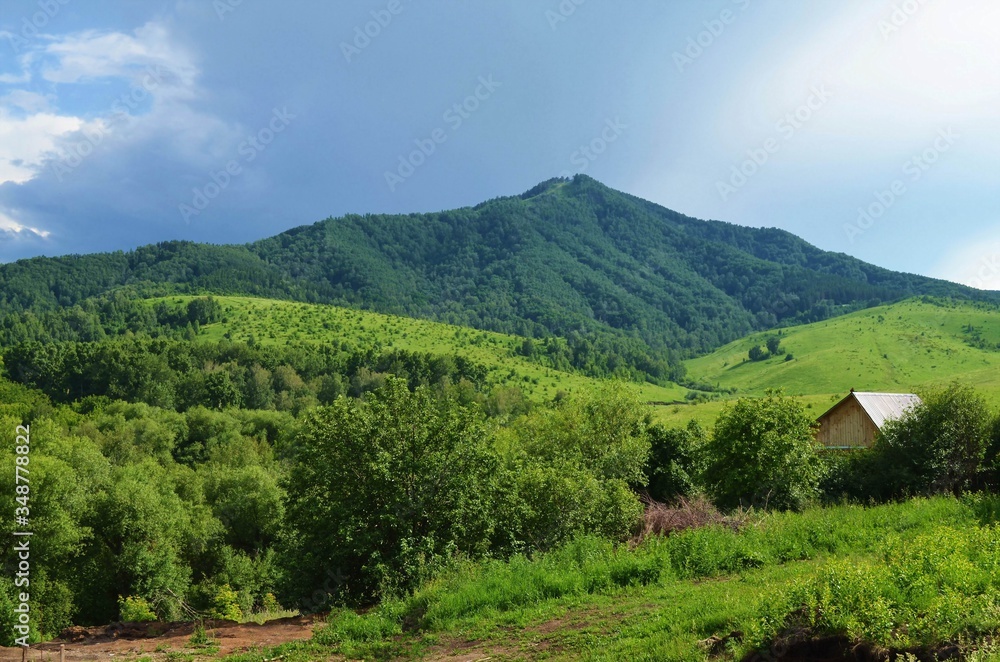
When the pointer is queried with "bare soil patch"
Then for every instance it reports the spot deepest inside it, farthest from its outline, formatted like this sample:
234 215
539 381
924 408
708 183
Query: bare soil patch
124 641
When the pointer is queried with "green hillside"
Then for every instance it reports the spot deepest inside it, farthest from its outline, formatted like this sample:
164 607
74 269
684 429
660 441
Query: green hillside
629 284
270 321
900 347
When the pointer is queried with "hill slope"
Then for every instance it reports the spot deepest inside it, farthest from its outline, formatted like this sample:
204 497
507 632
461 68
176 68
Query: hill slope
269 321
571 258
903 347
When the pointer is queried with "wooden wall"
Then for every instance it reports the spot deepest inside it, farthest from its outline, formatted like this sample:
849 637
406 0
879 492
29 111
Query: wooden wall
847 425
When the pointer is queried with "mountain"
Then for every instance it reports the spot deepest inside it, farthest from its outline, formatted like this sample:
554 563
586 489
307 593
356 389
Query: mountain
568 257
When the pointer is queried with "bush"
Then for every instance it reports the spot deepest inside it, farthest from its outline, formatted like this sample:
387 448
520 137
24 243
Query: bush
763 454
938 446
226 604
573 468
671 469
386 489
135 608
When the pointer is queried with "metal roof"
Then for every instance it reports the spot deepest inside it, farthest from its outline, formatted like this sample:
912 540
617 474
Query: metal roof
882 407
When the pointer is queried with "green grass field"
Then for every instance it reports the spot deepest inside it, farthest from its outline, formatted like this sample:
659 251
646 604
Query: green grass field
903 347
270 321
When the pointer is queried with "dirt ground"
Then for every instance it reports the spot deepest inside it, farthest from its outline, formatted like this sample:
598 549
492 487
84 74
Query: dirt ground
159 641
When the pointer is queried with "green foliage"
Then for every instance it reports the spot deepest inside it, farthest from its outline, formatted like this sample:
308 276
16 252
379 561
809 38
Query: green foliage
937 446
599 586
674 452
225 604
573 465
762 454
920 590
224 374
773 345
630 285
917 343
387 489
133 608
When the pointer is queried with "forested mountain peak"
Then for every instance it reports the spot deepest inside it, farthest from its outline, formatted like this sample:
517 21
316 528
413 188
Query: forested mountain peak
570 257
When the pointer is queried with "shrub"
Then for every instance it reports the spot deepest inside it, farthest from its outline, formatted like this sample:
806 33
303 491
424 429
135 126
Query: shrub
226 604
763 454
135 608
671 469
938 446
386 488
573 468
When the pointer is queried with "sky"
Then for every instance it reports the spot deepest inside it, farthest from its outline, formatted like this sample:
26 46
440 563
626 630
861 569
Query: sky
868 127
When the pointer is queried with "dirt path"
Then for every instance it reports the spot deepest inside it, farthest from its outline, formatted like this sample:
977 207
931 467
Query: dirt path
159 641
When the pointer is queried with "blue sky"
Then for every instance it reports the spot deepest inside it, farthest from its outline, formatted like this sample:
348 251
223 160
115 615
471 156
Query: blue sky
865 126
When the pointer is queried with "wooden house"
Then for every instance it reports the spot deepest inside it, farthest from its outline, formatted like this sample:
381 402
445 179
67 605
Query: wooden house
854 421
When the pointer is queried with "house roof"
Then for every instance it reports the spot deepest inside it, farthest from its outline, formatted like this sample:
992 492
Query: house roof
881 407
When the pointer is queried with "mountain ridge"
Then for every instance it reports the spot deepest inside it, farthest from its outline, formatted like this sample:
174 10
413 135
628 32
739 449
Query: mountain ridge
567 257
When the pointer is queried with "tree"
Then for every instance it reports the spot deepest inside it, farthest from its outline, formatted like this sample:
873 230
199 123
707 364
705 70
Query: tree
384 489
762 453
773 345
937 446
204 311
574 466
756 353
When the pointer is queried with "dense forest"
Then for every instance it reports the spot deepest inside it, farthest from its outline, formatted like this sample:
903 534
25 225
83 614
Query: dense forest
570 258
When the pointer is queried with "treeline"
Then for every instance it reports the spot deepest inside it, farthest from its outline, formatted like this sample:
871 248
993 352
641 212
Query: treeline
179 375
125 312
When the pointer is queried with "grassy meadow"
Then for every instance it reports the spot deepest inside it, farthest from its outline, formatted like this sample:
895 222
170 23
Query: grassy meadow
901 347
901 577
270 321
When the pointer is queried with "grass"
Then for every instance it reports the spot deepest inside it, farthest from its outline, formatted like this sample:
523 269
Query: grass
905 577
271 321
903 347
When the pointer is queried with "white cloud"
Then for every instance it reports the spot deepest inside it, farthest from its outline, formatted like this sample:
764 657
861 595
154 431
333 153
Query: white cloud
937 66
975 263
91 55
34 133
24 100
12 227
25 142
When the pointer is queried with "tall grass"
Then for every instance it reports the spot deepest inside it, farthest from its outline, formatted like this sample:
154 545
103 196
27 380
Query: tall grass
878 536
